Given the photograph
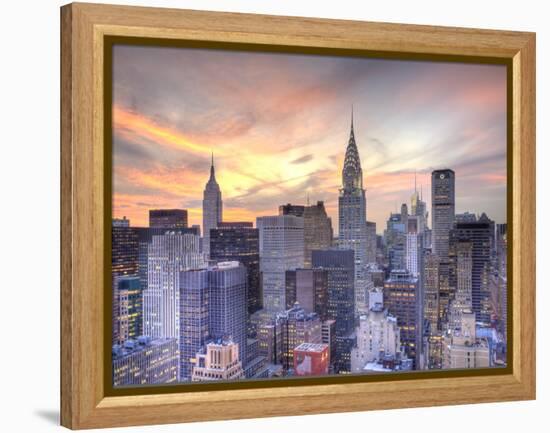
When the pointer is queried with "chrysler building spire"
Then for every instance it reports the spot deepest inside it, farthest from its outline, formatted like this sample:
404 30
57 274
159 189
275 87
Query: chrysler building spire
352 175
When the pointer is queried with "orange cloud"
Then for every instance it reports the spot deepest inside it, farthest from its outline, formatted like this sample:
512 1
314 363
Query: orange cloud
129 123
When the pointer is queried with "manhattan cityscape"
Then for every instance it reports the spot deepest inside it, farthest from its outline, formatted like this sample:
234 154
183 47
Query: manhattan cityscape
216 283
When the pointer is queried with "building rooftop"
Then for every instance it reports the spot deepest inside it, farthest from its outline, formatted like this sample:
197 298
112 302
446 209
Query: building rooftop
311 347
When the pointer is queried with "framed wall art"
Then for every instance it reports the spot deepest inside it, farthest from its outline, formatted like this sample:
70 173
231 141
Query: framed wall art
309 215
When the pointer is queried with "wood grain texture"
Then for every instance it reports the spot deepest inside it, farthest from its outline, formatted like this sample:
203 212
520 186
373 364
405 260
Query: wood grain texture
83 402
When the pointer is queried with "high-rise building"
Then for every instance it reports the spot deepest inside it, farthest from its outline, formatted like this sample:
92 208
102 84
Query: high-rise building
297 327
130 313
281 249
377 335
443 210
352 211
219 360
145 237
212 306
194 318
145 362
431 291
462 348
227 303
317 227
432 334
481 234
168 255
292 209
395 236
403 300
461 257
317 230
308 287
311 359
414 249
240 242
211 208
371 242
168 218
340 267
418 208
124 262
328 337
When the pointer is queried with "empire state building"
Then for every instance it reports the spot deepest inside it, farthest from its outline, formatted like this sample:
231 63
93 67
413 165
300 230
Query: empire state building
352 211
211 208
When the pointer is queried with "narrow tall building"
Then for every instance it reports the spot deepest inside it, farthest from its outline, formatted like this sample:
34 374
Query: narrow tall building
124 263
443 210
212 306
317 227
168 255
281 249
308 287
211 208
481 234
240 242
352 210
403 300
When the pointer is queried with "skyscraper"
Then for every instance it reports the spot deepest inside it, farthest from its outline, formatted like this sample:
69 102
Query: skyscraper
212 306
194 318
227 304
352 210
403 300
281 249
371 242
211 208
168 218
308 287
377 335
317 230
317 227
443 210
413 251
461 257
124 262
339 265
481 234
240 242
130 308
168 255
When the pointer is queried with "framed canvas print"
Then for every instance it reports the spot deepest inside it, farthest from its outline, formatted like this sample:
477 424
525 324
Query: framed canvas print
309 215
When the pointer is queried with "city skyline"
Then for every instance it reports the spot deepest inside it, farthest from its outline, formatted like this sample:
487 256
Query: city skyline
245 276
162 146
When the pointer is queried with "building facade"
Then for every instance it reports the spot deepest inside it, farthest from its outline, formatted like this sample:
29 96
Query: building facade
240 242
308 287
218 361
145 362
281 249
168 256
168 218
311 359
443 210
403 300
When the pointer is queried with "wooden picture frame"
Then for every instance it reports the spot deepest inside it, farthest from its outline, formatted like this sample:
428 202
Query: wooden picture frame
84 401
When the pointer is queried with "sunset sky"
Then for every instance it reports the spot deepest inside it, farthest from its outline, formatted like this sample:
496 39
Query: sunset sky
278 125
